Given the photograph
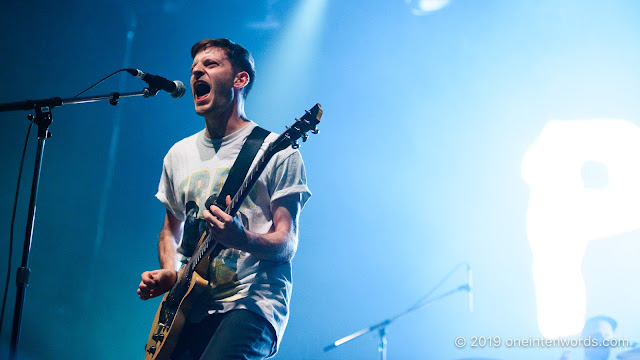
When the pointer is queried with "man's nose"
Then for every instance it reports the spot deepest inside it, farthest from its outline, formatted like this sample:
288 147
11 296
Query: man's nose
197 71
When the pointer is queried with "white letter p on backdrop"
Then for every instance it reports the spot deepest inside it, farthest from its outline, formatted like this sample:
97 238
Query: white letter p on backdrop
567 208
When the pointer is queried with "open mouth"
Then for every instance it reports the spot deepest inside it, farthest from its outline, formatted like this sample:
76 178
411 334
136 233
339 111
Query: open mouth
201 89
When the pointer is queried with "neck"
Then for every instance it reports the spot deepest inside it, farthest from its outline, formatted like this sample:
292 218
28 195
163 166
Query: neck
223 122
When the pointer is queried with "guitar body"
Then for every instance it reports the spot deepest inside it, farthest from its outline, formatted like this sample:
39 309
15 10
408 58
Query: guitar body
170 318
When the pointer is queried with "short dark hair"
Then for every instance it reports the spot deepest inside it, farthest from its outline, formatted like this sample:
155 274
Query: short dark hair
240 58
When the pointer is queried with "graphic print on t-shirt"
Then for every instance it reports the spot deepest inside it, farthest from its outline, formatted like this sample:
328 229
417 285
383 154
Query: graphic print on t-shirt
199 186
222 272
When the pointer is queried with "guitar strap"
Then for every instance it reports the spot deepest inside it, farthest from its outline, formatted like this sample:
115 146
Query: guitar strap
240 167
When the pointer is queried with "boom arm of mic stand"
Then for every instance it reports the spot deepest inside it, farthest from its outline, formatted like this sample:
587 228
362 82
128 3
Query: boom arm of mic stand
390 320
56 101
113 97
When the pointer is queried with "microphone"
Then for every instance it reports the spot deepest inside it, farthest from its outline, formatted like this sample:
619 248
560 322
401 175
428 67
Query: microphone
175 88
470 287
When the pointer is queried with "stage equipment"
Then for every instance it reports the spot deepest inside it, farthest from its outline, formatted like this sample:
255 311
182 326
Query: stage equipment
175 88
426 300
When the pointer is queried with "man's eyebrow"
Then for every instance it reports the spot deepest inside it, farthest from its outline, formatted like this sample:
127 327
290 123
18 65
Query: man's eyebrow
218 60
194 64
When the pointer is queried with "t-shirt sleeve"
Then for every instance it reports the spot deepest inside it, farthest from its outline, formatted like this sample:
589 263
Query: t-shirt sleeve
288 177
167 193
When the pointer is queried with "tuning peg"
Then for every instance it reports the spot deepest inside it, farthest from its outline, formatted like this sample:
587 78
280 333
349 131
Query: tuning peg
304 137
294 145
315 131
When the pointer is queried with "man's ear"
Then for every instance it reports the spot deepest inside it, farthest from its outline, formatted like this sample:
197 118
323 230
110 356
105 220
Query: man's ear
241 80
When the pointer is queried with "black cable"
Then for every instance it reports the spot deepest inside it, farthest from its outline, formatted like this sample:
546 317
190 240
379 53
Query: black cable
101 80
13 220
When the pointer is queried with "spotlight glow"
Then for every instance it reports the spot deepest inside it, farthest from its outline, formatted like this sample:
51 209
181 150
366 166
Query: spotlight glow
294 55
423 7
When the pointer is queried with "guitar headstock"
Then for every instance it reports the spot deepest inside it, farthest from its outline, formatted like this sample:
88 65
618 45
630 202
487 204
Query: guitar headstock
299 129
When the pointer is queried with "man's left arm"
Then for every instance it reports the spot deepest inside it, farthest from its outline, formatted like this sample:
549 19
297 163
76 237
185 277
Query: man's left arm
279 244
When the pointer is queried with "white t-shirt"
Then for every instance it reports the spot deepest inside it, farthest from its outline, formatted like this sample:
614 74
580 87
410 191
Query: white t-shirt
197 167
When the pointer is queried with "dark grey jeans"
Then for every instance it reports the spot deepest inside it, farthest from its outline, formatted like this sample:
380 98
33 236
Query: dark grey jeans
238 334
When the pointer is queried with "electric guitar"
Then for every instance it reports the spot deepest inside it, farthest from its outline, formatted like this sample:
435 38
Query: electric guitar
177 302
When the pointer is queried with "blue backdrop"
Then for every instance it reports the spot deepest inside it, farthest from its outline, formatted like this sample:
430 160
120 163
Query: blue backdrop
416 169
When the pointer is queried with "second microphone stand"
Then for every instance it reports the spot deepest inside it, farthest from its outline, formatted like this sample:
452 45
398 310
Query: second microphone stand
381 327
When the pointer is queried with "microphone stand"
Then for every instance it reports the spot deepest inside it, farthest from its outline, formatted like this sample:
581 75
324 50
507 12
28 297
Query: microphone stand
381 327
43 119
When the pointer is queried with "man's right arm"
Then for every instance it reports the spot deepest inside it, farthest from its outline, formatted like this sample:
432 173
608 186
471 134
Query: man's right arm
157 282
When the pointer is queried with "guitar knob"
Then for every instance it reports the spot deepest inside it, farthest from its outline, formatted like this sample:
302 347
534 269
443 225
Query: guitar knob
152 350
158 337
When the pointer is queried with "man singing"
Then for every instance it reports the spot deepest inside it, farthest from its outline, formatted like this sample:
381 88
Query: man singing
244 310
